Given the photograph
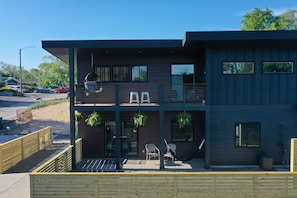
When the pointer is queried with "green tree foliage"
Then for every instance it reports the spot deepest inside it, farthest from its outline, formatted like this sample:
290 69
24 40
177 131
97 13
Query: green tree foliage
265 20
53 72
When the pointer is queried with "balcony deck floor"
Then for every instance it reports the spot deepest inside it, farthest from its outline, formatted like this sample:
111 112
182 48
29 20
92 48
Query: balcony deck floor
109 165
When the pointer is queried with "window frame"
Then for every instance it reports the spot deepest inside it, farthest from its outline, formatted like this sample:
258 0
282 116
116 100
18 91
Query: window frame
277 72
127 78
190 139
100 79
238 73
245 137
139 70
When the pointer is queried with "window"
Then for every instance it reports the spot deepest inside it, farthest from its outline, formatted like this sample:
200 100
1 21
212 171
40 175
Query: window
139 73
120 73
238 67
277 67
182 82
247 134
181 134
103 73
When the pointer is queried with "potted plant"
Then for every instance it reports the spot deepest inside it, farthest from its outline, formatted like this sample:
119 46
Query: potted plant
139 119
78 116
94 119
184 119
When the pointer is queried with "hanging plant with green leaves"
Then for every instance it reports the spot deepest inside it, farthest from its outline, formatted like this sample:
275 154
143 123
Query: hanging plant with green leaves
184 119
139 119
78 116
94 119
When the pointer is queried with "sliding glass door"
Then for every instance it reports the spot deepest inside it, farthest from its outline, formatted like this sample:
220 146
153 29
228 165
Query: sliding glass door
128 139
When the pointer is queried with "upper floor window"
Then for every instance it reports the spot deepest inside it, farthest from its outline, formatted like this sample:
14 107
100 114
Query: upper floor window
103 73
238 67
247 134
277 67
120 73
139 73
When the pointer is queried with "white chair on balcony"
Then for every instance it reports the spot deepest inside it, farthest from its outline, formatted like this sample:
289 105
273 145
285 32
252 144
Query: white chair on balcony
145 97
134 97
152 151
170 151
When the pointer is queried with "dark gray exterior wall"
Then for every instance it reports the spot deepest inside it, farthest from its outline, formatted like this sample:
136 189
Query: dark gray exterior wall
266 98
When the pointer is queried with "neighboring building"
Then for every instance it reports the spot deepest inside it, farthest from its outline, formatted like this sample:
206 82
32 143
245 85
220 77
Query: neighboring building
239 86
11 81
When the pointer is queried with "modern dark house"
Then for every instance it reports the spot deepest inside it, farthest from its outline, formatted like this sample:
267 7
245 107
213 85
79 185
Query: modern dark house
239 87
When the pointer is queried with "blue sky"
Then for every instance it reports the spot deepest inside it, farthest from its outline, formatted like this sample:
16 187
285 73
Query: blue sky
27 22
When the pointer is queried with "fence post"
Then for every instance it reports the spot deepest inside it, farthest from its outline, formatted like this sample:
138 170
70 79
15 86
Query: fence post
1 160
293 160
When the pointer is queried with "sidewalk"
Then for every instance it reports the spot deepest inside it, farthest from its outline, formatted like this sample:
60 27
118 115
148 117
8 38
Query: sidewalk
16 185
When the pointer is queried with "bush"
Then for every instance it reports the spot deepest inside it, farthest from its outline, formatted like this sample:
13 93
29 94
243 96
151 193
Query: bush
5 89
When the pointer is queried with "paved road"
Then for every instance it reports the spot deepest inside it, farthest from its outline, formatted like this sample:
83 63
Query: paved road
9 104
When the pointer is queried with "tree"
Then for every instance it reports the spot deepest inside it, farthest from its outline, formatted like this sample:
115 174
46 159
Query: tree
53 72
265 20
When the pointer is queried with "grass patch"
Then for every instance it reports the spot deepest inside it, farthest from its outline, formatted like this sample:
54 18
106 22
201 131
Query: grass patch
47 103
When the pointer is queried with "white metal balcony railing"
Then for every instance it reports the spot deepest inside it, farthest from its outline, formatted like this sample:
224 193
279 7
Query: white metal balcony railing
166 93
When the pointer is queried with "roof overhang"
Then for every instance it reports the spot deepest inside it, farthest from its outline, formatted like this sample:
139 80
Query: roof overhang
196 40
60 49
240 38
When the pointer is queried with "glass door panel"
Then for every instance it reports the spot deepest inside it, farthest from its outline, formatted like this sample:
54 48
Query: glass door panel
128 139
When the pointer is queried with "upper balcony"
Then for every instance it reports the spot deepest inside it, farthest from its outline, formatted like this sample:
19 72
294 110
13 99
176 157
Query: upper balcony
164 94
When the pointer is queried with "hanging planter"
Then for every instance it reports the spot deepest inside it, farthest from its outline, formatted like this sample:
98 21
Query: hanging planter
94 119
184 119
139 119
78 116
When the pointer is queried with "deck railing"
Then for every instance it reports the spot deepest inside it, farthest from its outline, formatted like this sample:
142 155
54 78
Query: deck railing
16 150
165 184
63 161
167 93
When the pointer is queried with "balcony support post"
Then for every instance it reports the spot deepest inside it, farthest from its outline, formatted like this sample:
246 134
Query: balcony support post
118 128
161 120
72 116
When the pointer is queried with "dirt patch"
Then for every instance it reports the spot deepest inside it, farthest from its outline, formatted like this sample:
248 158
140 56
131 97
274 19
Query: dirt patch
57 116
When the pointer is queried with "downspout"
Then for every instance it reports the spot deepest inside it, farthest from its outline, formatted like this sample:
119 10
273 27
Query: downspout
72 117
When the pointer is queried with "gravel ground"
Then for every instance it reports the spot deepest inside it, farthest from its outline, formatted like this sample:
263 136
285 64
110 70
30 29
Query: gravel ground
56 116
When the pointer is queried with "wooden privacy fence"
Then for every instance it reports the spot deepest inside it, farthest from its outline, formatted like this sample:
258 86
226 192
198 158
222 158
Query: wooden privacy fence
63 161
165 184
162 184
16 150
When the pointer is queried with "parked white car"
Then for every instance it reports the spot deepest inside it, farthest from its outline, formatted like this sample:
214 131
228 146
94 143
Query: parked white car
16 88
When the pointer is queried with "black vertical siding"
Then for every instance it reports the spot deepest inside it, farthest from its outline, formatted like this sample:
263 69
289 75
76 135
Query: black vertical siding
278 125
266 98
257 88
